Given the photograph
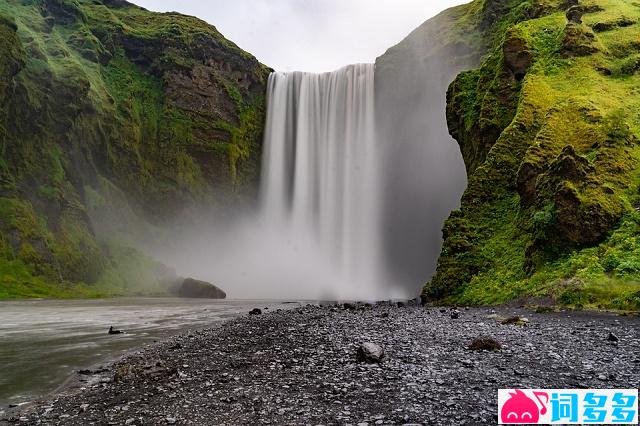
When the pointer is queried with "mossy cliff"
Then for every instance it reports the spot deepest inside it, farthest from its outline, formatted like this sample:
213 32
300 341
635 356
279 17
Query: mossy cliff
549 129
103 103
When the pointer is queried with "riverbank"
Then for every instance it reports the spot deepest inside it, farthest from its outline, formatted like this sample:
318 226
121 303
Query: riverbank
300 367
43 342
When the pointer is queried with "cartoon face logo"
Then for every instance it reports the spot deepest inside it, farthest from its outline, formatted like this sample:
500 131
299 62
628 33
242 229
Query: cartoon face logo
519 408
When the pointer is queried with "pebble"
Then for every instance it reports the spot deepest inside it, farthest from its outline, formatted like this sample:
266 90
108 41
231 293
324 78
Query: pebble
301 367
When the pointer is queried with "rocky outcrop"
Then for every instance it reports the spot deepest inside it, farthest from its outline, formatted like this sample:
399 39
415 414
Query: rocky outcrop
578 41
550 148
517 55
196 289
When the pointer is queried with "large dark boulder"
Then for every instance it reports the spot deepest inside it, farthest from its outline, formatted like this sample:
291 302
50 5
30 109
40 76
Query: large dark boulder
196 289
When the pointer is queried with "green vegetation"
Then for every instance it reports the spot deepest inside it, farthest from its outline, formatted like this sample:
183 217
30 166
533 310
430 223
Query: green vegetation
549 130
106 105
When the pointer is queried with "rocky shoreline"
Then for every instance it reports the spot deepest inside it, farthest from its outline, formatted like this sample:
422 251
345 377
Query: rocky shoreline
306 366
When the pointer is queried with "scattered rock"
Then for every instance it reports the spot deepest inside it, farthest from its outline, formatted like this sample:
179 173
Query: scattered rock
255 311
515 320
370 353
114 331
299 367
455 314
612 338
608 26
485 343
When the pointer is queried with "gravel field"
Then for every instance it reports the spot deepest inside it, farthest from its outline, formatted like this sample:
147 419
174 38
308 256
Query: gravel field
304 366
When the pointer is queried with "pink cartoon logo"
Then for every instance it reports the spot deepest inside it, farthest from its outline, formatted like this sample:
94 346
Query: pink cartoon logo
519 408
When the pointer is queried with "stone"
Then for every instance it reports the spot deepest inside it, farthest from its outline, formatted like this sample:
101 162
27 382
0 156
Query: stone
255 311
578 41
370 353
575 13
455 314
485 343
515 320
196 289
612 338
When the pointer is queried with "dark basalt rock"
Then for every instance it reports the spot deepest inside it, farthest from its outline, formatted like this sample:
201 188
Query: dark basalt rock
608 26
370 353
114 331
517 56
485 343
515 320
196 289
578 41
63 12
255 311
575 13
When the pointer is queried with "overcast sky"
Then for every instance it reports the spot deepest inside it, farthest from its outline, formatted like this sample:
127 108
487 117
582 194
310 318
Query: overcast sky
310 35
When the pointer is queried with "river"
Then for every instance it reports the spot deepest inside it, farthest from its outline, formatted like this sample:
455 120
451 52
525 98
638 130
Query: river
43 342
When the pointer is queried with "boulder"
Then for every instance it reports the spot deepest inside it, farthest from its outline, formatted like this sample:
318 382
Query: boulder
370 353
516 320
485 343
255 311
196 289
575 13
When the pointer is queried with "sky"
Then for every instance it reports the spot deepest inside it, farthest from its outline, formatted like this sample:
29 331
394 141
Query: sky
310 35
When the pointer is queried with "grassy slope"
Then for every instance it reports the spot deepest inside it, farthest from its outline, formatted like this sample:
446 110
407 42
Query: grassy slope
552 152
102 98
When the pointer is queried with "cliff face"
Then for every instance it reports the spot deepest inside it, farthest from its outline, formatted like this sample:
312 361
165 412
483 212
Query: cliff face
424 175
549 130
106 107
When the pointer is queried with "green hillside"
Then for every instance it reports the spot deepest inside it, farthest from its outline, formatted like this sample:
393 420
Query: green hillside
549 128
107 107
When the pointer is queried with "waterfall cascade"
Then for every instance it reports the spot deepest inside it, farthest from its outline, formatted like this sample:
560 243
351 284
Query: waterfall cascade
320 183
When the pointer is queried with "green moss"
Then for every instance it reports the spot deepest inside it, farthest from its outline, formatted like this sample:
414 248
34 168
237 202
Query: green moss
92 93
553 167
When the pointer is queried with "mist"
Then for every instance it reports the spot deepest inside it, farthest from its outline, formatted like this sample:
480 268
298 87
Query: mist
424 173
346 226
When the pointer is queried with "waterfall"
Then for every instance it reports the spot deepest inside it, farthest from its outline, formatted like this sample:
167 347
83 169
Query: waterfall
320 230
320 182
